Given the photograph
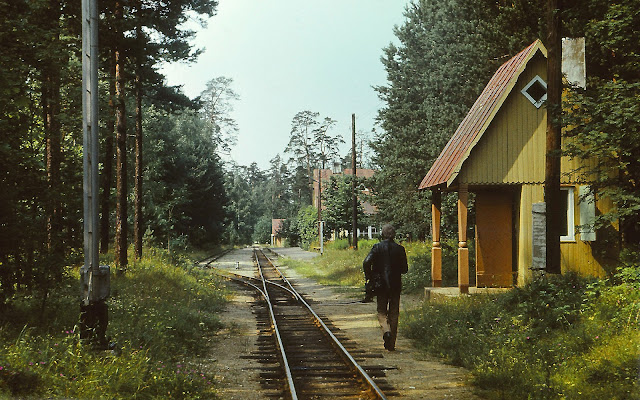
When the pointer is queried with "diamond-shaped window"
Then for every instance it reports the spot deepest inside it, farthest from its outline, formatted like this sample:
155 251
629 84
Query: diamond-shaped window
536 91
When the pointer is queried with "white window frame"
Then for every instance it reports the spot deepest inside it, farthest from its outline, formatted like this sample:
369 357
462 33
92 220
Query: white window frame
569 191
524 91
587 214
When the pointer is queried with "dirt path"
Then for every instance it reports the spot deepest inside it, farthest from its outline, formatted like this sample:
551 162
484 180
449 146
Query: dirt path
413 375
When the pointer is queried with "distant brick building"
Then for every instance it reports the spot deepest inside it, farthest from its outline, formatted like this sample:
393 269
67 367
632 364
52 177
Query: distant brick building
323 176
276 232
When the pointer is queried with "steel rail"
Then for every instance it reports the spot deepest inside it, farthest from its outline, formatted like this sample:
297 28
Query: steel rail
246 280
243 278
213 258
292 388
363 374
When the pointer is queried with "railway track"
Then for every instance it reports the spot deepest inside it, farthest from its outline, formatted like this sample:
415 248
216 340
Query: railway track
300 354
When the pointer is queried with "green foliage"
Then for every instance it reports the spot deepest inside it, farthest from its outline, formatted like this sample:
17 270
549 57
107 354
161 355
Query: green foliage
310 144
337 198
306 226
554 338
262 230
419 275
40 105
247 203
161 313
279 192
217 100
39 75
603 121
604 125
170 318
184 191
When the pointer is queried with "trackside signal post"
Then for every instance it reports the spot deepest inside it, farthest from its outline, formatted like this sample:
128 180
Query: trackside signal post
95 278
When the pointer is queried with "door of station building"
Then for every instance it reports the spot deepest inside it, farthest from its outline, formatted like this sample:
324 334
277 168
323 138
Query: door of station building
494 239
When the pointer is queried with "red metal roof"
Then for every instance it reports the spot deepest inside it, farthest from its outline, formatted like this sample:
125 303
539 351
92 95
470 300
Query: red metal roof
449 162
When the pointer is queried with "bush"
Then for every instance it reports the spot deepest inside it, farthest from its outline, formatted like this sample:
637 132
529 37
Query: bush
306 226
553 338
419 274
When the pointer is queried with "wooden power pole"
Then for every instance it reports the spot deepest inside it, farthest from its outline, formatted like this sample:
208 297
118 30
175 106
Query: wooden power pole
354 226
553 142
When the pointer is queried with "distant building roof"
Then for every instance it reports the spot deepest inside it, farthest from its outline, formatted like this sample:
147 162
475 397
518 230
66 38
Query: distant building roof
276 226
447 166
326 174
362 172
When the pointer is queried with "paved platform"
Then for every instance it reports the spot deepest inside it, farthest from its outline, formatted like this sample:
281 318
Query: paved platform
295 253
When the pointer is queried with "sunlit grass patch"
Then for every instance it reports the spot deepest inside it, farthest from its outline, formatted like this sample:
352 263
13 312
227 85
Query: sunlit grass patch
163 313
341 266
609 369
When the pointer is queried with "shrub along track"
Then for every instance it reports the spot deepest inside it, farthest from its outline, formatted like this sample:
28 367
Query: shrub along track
300 356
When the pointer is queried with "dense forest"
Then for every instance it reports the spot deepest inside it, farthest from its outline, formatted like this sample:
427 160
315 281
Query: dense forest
163 178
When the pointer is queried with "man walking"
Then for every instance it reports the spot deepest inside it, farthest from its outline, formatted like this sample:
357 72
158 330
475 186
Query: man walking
383 267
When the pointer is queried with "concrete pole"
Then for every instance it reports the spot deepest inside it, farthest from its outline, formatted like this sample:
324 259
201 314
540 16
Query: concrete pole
94 278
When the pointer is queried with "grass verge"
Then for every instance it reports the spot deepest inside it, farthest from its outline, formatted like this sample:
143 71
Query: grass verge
162 315
561 337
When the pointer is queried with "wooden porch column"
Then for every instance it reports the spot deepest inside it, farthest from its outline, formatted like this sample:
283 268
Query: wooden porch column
436 250
463 250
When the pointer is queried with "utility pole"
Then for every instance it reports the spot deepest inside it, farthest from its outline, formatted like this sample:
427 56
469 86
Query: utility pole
553 140
320 233
354 225
95 278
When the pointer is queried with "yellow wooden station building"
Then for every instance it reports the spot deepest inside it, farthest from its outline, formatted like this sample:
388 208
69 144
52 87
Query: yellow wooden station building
498 153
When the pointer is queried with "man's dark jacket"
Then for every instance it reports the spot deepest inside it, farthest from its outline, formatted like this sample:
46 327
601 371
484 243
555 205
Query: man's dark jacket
387 260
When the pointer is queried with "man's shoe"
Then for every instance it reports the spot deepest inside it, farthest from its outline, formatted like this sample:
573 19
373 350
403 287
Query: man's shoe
387 341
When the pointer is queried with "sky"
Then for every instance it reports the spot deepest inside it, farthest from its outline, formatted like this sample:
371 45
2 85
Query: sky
287 56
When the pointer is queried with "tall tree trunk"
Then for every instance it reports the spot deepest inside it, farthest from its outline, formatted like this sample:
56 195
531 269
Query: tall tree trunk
107 166
52 130
121 151
137 217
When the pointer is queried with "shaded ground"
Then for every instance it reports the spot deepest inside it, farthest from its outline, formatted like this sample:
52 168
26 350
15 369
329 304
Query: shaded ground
414 375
